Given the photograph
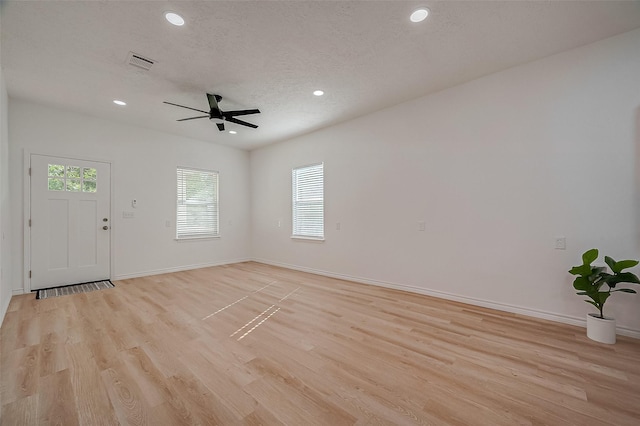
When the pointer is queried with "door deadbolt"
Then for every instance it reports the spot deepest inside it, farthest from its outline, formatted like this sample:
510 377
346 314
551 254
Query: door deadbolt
105 227
105 220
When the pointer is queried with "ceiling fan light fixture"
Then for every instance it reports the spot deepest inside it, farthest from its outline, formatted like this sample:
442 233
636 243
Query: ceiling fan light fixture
174 19
215 113
318 93
233 132
119 102
419 15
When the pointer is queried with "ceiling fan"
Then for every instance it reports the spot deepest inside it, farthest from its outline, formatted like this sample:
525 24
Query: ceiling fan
215 113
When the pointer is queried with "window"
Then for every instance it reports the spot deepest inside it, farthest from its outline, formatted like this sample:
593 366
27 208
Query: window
308 201
72 178
197 211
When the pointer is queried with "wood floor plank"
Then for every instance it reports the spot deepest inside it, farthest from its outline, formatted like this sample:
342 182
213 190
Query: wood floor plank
126 397
254 344
23 411
53 357
56 400
148 378
92 399
20 373
201 402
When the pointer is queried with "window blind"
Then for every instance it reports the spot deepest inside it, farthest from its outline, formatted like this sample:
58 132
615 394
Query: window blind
308 201
197 206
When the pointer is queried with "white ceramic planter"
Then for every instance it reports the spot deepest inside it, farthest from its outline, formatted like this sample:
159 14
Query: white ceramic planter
601 330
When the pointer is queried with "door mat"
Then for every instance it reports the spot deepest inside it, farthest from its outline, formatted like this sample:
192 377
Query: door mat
73 289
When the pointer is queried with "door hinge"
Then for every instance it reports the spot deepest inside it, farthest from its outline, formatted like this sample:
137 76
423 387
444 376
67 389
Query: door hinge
29 274
29 222
29 171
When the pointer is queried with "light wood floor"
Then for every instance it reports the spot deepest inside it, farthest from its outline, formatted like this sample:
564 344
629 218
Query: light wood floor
254 344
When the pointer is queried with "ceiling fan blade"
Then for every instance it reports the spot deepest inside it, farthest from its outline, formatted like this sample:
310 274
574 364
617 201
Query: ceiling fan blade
193 118
213 103
243 123
241 112
220 126
182 106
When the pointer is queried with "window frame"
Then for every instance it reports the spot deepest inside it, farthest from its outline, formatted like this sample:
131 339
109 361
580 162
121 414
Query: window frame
215 218
295 202
65 178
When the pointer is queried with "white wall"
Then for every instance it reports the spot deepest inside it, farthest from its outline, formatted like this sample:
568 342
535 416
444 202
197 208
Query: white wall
143 167
497 168
6 257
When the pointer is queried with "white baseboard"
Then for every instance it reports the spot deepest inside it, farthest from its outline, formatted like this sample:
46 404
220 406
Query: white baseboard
175 269
565 319
17 291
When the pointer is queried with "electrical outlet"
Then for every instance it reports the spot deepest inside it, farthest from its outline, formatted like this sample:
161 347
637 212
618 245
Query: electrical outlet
561 243
338 226
128 215
167 223
422 226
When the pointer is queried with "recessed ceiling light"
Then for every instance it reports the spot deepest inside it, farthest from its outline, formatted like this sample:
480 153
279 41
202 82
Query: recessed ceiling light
419 15
118 102
174 18
233 132
318 93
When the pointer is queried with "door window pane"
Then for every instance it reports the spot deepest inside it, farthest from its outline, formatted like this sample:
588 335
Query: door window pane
56 184
89 173
73 185
73 172
72 178
56 170
88 186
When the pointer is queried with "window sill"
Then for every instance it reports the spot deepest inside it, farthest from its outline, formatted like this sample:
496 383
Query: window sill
190 239
310 239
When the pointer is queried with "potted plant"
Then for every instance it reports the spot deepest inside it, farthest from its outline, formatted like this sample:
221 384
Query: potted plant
597 284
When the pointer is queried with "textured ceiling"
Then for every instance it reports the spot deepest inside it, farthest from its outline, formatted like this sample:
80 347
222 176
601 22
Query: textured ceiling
271 55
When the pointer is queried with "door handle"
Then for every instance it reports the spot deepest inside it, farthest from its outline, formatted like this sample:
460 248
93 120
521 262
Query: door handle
105 227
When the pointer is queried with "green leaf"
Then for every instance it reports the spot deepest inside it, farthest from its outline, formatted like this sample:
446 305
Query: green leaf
623 277
612 263
603 296
582 283
623 264
593 303
626 290
583 293
599 270
589 256
580 270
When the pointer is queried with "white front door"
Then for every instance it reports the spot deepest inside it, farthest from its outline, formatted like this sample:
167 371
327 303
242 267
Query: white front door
70 221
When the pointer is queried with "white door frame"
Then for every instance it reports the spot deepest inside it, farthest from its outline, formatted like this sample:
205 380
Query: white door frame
26 212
